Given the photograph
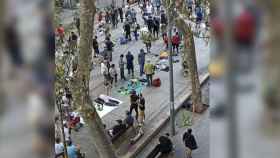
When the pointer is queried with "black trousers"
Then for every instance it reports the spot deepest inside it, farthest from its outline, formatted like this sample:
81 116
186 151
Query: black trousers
135 108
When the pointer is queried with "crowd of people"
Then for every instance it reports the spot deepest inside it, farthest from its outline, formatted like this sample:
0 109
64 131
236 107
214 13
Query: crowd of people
155 20
65 123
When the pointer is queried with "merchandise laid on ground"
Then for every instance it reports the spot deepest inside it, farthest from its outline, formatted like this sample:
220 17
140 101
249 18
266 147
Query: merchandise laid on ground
129 81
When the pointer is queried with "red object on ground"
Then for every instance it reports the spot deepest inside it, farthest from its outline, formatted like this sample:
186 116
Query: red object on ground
156 82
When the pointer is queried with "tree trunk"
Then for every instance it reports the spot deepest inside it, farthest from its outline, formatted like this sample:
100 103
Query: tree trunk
190 58
272 65
81 80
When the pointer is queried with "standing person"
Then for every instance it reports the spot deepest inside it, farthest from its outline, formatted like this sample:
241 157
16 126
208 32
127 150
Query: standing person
165 39
107 17
141 61
77 23
163 21
121 13
59 148
133 15
71 150
95 46
133 103
147 40
149 9
129 63
113 74
157 4
73 42
190 142
109 48
141 109
100 16
60 31
149 71
127 30
176 42
156 27
150 24
121 66
199 16
135 31
190 5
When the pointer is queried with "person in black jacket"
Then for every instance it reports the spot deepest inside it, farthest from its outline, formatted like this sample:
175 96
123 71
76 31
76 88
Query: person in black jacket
164 147
156 27
95 46
121 13
127 31
190 142
109 48
150 24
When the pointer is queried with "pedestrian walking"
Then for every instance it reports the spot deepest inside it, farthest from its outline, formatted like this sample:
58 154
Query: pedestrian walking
149 71
95 46
113 74
141 109
141 61
121 13
133 103
176 42
190 142
121 66
129 63
156 25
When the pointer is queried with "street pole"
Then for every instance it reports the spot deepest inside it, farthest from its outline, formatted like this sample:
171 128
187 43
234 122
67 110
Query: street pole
231 81
62 127
172 117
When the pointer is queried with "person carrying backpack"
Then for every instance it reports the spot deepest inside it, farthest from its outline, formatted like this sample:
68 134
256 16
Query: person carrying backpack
190 142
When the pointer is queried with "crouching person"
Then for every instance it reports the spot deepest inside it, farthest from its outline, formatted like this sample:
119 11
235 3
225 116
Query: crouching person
164 147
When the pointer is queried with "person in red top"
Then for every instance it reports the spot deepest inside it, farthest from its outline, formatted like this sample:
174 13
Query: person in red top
60 32
176 42
165 39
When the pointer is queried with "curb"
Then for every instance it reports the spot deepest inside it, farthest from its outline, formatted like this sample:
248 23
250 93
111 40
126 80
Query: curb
163 122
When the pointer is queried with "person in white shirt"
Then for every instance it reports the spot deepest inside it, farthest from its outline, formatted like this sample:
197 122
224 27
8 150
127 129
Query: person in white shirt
59 148
149 9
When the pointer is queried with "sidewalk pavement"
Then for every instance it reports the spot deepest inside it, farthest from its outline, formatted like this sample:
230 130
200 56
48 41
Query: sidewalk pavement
157 99
200 128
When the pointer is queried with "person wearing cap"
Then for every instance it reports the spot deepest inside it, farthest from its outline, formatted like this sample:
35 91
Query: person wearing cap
149 71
